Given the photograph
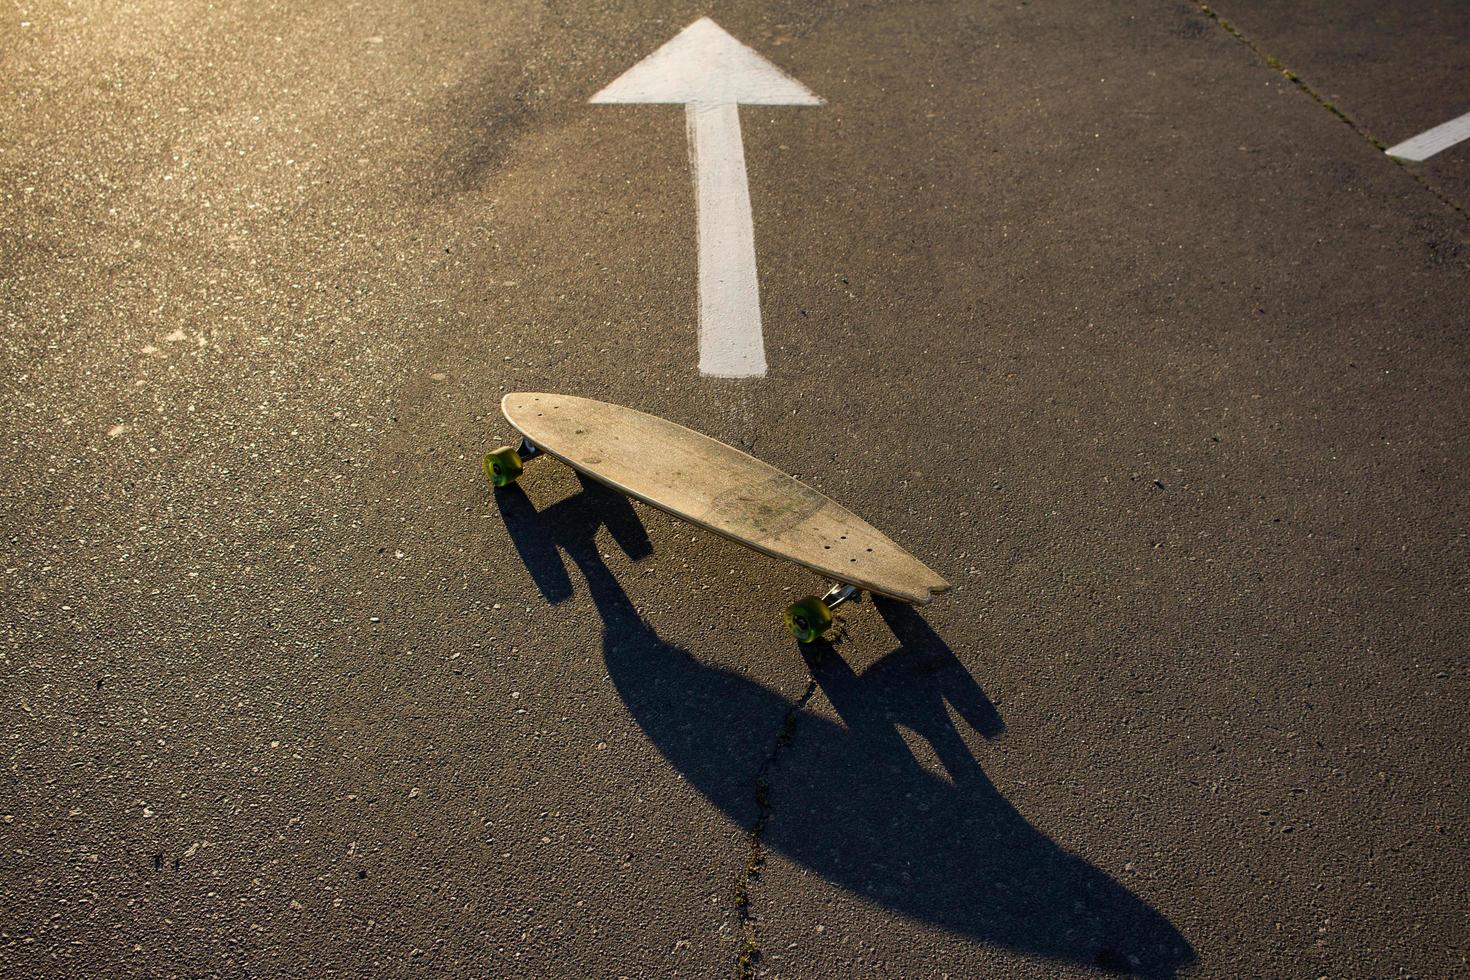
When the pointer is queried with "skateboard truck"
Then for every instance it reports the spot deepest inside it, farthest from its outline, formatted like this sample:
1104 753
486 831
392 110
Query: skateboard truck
839 594
504 465
809 618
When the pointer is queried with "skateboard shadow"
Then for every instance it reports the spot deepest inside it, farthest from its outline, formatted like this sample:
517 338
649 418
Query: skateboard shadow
924 833
570 524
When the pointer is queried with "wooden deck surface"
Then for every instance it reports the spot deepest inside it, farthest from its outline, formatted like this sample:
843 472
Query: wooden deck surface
719 488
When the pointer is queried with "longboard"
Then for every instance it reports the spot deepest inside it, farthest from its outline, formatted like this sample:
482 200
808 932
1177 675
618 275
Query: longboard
719 488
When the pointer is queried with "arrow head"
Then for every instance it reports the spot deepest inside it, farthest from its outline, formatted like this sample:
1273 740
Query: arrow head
704 65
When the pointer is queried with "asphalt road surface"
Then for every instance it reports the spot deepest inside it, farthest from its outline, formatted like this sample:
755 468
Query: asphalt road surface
1130 335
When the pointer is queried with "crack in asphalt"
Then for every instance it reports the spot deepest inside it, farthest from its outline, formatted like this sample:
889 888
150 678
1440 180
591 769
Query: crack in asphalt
1305 87
750 951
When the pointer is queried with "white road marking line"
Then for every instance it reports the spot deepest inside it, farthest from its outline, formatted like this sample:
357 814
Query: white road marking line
711 74
731 344
1431 141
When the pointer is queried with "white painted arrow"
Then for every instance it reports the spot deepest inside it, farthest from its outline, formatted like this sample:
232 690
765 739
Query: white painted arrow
710 74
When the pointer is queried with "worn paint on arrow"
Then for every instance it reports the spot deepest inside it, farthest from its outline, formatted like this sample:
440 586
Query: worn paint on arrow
1431 141
711 74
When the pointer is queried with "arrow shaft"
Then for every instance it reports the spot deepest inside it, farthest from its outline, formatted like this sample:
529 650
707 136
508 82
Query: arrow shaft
730 341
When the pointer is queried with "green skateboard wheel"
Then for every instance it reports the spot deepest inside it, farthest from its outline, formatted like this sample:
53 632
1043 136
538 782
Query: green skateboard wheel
503 466
808 619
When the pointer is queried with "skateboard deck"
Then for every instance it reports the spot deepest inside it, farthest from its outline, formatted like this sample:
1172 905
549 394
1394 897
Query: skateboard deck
719 488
